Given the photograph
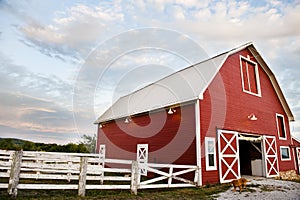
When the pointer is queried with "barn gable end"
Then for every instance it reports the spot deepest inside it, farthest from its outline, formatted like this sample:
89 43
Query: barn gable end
227 106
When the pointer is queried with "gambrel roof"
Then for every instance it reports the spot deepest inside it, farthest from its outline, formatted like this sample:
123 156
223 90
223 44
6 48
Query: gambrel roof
182 86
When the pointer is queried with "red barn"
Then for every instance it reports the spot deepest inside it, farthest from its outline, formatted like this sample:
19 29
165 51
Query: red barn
226 115
296 146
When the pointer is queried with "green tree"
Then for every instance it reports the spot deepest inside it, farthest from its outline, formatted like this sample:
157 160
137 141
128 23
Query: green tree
89 142
81 148
52 148
28 146
8 144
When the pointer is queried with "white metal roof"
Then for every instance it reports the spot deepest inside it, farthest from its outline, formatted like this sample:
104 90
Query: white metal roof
182 86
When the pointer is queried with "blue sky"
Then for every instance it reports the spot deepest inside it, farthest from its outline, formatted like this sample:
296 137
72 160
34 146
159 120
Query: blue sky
52 52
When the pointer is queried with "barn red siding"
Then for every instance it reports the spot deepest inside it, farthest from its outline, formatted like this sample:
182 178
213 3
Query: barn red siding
170 137
226 89
296 142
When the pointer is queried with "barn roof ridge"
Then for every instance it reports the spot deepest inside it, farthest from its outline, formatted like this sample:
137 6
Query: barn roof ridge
192 81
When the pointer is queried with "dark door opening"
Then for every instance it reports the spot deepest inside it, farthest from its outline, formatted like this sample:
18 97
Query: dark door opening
250 153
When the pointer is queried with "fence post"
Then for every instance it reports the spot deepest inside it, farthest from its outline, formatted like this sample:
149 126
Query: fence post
15 173
135 177
82 176
198 173
170 176
102 160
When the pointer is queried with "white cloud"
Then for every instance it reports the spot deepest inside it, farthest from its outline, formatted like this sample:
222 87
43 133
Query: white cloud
275 2
76 29
34 103
178 13
81 27
43 34
237 9
215 25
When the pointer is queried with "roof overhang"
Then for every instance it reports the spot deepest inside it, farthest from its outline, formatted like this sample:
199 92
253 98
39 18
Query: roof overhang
153 110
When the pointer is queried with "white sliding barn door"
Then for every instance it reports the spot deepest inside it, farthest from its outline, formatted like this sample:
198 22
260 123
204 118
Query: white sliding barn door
270 156
229 165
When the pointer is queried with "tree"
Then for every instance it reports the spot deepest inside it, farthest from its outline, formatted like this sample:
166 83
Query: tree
9 144
89 142
18 144
28 146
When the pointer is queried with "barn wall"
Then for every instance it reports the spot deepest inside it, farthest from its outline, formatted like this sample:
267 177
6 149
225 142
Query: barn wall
171 138
226 91
296 143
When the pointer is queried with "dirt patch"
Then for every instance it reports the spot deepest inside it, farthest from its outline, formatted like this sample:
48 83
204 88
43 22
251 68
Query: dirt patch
262 188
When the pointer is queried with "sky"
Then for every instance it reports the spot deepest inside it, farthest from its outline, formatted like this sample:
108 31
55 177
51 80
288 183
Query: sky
63 63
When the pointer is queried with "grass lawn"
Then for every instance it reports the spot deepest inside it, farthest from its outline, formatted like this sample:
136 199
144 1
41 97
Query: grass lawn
208 192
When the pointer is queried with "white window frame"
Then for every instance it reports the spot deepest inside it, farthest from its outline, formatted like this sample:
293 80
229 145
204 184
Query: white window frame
281 138
289 151
210 168
256 76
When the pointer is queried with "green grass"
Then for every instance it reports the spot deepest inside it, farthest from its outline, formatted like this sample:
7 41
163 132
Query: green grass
150 194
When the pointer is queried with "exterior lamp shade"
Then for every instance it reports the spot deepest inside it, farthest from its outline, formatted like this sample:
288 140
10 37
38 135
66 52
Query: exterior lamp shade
252 117
127 120
170 112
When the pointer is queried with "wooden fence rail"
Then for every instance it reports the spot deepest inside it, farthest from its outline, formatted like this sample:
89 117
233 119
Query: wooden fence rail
89 171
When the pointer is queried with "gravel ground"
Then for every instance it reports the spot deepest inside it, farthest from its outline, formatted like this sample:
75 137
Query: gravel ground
262 188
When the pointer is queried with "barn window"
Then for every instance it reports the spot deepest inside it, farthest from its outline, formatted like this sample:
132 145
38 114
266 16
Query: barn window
250 77
285 153
281 127
210 153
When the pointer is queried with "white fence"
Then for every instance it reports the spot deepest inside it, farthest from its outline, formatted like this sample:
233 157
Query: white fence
87 171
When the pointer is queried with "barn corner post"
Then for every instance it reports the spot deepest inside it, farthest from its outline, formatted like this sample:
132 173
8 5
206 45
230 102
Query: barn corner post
15 173
198 174
82 176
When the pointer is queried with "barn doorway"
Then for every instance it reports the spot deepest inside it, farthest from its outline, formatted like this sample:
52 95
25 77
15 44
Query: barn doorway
250 155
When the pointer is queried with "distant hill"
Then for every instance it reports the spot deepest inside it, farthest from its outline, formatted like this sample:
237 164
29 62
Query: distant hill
14 140
18 144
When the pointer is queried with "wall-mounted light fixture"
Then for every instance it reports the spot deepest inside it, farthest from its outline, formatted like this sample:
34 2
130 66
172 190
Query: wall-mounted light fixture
127 120
100 125
171 111
252 117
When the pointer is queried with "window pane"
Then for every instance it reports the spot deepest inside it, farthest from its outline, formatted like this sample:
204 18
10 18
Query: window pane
245 75
281 129
210 147
249 76
252 78
285 153
211 162
210 154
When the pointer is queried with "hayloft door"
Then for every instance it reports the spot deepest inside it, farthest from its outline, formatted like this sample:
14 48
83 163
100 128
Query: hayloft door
229 166
270 156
